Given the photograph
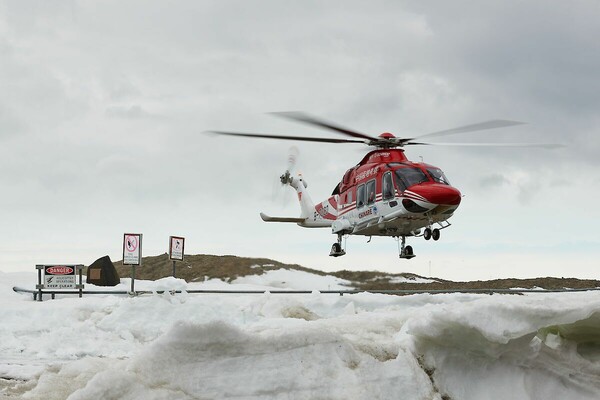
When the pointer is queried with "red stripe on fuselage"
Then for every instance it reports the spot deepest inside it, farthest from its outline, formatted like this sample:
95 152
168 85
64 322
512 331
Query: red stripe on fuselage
323 213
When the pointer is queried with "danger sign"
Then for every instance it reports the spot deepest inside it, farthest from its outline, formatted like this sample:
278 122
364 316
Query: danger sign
132 248
59 277
176 245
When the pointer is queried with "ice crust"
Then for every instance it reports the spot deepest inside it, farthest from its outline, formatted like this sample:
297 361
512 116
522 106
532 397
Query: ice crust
316 346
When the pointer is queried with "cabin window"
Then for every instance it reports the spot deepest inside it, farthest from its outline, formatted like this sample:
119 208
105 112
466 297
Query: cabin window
438 176
349 197
371 192
387 186
407 177
361 196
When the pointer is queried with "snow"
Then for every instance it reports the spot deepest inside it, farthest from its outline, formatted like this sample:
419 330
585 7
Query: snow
294 279
291 346
400 279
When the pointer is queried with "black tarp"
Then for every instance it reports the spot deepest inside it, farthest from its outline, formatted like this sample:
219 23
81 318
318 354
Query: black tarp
102 272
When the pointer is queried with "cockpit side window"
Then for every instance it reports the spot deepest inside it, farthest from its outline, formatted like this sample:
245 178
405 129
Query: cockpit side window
387 186
438 176
407 177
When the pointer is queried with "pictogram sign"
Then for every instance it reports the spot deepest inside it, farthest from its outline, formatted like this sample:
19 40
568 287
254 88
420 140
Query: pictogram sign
132 248
176 246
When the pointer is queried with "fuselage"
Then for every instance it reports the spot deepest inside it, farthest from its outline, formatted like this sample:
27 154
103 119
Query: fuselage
388 195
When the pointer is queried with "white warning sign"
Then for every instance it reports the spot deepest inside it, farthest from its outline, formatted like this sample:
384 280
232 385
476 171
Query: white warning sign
59 277
176 245
132 249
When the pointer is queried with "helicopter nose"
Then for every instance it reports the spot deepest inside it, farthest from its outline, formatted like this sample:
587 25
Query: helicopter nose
438 193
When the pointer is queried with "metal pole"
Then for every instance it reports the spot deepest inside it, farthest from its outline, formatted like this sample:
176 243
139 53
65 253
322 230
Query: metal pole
173 268
80 268
39 285
132 279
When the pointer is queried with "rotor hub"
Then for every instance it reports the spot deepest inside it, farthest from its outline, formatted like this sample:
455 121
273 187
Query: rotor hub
387 135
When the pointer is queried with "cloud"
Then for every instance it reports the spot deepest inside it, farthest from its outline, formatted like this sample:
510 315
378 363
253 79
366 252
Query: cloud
107 102
493 181
127 112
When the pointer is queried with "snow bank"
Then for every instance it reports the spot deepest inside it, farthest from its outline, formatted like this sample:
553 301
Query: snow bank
363 346
218 360
536 348
294 279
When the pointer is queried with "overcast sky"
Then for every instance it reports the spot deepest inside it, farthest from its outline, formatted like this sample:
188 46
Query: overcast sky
103 106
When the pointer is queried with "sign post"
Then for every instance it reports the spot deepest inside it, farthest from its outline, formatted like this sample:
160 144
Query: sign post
39 285
176 246
132 254
79 269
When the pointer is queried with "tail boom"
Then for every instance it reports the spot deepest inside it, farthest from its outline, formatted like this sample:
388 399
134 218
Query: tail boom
321 215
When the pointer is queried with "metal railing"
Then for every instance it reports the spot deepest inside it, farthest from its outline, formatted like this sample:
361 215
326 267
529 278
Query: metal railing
37 293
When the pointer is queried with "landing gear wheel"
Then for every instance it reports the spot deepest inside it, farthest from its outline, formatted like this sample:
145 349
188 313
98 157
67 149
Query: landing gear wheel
406 252
336 249
435 234
427 233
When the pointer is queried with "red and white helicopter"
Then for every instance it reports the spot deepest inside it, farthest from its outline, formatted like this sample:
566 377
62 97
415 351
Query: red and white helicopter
385 194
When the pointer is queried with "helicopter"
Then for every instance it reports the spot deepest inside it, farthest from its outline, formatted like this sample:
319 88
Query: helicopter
385 193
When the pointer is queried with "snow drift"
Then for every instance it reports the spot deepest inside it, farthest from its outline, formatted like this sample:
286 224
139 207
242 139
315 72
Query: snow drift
315 346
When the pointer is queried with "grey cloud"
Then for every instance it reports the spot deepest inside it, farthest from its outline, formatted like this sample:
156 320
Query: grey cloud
493 181
113 97
127 112
123 89
10 124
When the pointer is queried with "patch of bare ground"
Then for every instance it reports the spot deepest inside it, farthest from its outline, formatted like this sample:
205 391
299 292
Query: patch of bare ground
200 267
542 283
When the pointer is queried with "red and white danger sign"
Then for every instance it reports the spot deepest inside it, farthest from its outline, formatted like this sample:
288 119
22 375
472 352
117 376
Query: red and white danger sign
59 277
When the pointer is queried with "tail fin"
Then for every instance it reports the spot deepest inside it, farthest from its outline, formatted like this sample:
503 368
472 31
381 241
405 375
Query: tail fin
320 216
315 216
306 204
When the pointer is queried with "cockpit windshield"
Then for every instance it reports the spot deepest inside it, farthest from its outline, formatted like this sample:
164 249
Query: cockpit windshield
438 176
406 177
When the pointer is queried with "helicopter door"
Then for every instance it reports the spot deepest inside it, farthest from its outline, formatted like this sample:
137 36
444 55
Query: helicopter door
387 186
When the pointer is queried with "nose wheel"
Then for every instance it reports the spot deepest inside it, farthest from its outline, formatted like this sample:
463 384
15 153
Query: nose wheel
431 234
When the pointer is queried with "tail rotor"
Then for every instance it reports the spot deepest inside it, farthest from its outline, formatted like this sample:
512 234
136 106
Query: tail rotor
286 178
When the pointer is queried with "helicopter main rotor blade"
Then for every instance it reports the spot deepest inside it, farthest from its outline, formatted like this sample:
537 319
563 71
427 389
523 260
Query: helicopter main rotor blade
301 138
310 120
493 124
541 145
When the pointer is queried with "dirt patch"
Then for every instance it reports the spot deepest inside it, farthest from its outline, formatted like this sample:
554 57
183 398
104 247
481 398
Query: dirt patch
299 312
197 268
200 267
